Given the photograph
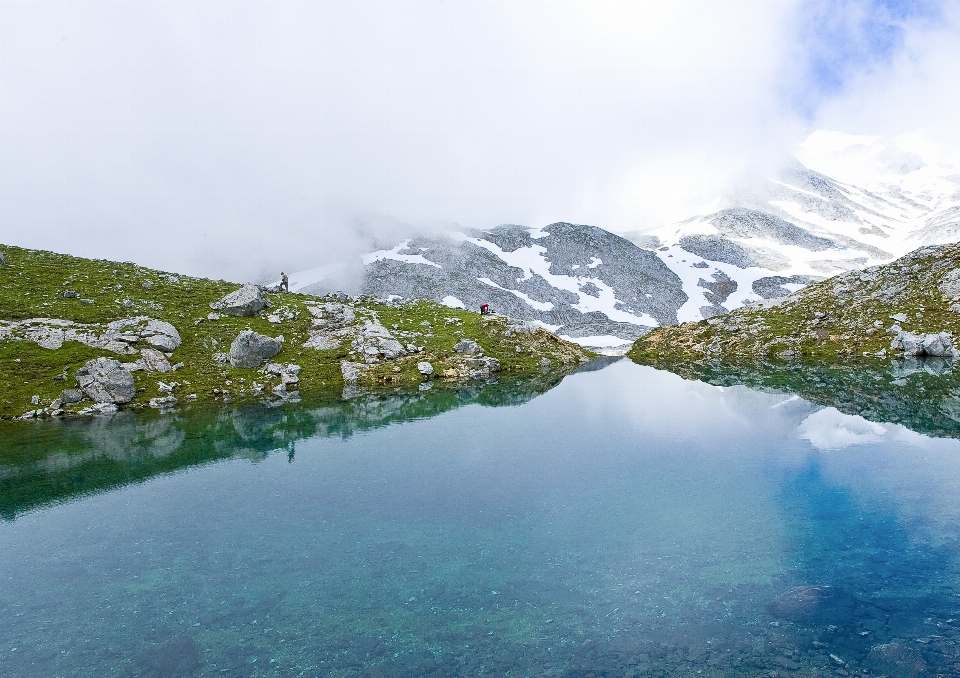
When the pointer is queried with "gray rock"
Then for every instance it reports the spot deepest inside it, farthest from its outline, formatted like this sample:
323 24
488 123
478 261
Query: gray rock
718 290
483 367
70 294
950 285
162 335
351 372
70 396
515 326
940 344
2 261
425 368
896 661
467 347
545 363
246 301
899 317
331 315
104 380
163 342
250 349
35 400
772 287
375 341
154 360
166 401
147 285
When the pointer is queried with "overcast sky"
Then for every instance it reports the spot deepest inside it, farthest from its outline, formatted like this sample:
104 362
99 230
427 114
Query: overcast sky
236 138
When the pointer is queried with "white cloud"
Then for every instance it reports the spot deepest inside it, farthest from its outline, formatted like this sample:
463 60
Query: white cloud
830 429
238 139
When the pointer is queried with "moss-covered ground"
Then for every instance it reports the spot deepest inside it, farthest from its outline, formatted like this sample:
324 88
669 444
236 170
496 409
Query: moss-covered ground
33 282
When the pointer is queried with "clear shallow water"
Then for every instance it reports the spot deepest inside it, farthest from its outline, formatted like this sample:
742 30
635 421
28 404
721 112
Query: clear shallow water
626 522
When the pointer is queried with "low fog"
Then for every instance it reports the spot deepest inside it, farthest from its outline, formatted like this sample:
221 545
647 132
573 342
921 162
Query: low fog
236 139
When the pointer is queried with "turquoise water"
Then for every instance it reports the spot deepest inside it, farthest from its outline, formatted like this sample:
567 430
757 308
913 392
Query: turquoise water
625 522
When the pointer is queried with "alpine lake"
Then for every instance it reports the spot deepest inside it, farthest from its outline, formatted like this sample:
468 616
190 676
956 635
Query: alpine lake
714 520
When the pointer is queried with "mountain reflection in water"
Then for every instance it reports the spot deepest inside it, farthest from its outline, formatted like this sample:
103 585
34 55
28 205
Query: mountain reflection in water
628 522
922 394
55 460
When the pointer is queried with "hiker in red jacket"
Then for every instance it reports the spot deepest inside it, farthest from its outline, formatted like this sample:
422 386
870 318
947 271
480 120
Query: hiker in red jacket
484 309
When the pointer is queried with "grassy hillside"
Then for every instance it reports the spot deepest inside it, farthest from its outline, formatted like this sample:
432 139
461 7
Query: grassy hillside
32 285
848 315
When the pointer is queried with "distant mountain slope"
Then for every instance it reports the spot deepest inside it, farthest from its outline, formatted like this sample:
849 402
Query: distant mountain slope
770 237
581 281
798 226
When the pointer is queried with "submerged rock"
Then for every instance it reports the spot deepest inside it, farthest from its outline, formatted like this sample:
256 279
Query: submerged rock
805 602
250 349
896 661
246 301
104 380
177 657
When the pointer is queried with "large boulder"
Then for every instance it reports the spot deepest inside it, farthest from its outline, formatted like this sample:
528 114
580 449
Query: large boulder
246 301
251 349
104 380
375 342
940 344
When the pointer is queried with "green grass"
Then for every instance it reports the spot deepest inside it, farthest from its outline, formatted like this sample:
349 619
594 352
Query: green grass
32 283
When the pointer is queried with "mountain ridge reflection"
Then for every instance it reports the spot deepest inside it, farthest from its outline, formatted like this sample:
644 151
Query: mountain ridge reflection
53 461
921 394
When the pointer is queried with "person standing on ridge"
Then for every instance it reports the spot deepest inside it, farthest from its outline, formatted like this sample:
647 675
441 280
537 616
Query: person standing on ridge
284 282
484 309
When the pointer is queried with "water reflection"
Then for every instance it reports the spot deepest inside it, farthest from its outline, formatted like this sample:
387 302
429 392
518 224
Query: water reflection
922 394
55 460
626 523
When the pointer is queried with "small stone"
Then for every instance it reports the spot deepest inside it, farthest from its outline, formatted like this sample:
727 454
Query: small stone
159 403
213 316
147 285
127 303
86 301
425 368
70 294
35 400
545 363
